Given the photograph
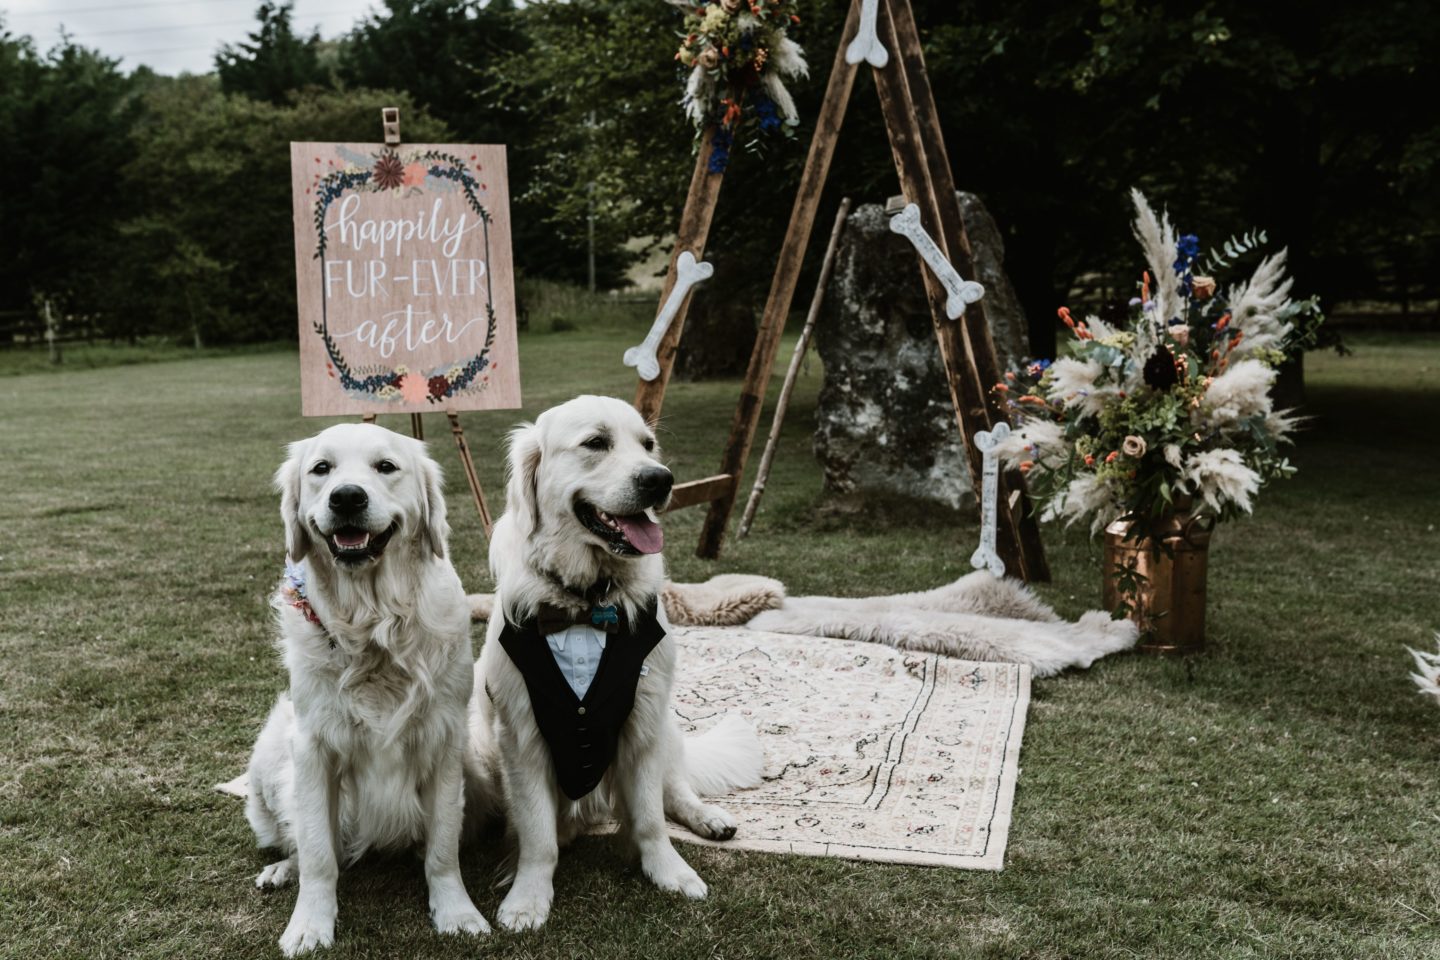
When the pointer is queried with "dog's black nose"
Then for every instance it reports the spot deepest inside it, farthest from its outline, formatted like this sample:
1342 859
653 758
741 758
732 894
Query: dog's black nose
349 498
654 483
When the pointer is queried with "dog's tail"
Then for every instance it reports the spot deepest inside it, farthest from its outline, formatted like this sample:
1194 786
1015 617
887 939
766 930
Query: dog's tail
725 758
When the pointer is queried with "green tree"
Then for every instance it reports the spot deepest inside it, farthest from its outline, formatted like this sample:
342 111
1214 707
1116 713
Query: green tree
273 63
67 115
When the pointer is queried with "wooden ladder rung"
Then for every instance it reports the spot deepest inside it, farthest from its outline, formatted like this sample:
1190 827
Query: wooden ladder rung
693 492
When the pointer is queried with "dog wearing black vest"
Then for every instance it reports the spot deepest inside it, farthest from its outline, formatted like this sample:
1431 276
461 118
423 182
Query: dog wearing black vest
571 710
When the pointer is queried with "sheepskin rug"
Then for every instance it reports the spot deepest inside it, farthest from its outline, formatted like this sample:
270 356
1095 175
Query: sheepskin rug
978 617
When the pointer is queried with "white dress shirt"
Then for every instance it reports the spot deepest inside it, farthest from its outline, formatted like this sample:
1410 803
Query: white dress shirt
577 650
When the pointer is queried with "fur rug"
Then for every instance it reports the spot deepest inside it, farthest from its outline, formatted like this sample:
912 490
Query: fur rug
978 617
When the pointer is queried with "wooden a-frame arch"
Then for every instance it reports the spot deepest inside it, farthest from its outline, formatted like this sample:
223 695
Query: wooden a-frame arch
966 348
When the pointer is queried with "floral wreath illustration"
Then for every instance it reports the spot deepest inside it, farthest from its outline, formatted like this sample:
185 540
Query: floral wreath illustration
392 171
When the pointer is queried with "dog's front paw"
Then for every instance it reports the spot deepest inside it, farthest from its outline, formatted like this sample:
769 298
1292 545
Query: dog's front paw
277 875
459 918
524 909
308 930
714 824
671 873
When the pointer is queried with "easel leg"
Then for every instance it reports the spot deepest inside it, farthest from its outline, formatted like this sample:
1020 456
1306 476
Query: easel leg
468 464
417 427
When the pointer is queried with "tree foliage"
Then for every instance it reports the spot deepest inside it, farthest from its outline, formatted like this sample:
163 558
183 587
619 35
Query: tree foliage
274 62
169 196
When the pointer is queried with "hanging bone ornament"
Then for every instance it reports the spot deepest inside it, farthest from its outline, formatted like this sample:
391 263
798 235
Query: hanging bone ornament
961 291
985 556
867 46
687 273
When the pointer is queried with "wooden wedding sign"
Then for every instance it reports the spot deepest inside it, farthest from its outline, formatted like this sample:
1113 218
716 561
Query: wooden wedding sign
404 278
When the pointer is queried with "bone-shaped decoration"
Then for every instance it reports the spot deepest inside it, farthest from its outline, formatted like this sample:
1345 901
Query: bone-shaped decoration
867 46
985 555
960 291
687 273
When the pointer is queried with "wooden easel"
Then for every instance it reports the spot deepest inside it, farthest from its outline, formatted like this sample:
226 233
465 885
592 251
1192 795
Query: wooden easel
390 123
966 348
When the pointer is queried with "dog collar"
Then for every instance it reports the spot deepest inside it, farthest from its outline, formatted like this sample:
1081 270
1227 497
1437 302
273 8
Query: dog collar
292 593
596 596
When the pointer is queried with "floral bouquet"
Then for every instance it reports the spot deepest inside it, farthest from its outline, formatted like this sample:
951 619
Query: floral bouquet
738 56
1170 413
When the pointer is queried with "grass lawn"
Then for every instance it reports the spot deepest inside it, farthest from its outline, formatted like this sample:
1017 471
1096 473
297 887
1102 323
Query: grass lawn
1275 797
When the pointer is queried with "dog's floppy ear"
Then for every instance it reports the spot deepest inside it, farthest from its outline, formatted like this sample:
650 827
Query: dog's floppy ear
287 482
434 530
521 499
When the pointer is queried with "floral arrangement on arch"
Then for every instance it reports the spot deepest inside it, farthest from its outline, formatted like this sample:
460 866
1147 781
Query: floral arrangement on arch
739 56
1171 412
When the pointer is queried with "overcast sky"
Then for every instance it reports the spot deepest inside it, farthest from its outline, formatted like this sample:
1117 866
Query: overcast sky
171 36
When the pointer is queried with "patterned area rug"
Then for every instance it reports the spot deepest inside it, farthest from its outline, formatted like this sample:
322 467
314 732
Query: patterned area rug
871 753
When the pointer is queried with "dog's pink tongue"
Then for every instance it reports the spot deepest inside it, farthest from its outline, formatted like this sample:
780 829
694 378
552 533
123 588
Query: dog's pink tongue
356 538
643 533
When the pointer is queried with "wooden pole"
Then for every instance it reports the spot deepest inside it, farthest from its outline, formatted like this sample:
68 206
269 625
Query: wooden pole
467 463
782 290
909 151
694 230
782 404
1016 514
51 333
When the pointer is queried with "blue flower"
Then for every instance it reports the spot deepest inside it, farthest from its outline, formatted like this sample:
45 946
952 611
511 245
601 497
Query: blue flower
1188 248
720 152
765 111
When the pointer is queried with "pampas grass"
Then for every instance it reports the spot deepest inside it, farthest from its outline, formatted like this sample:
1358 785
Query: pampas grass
1242 391
1157 241
1428 676
1254 306
1218 476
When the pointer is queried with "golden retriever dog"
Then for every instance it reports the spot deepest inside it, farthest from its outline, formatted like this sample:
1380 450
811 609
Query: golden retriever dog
572 700
366 749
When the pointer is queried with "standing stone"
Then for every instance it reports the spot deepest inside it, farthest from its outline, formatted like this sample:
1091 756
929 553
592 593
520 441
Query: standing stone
884 422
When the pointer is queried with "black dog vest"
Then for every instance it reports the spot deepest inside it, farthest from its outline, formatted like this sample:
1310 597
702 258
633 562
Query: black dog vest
583 733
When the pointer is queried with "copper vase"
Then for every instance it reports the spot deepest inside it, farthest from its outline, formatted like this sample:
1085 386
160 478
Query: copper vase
1157 579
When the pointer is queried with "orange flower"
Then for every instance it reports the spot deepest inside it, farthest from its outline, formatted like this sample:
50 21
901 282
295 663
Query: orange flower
1064 313
1145 285
1089 459
1223 322
1002 388
1025 465
1110 457
414 388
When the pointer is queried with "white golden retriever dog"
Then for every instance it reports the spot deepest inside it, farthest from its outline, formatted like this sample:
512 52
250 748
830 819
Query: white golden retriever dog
366 750
577 564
